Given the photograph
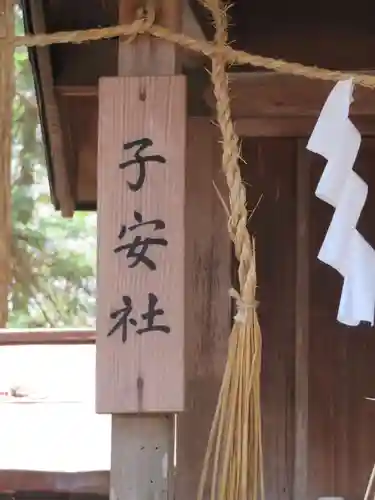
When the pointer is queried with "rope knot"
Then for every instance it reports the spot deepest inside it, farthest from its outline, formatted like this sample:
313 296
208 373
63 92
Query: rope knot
243 306
144 19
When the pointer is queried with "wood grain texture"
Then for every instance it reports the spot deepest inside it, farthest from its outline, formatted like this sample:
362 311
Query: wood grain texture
59 152
293 127
95 482
146 373
302 323
270 177
81 104
279 95
342 369
46 336
81 123
144 56
150 441
207 319
146 465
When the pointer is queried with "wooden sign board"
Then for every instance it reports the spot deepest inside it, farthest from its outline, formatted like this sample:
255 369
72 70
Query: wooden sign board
141 199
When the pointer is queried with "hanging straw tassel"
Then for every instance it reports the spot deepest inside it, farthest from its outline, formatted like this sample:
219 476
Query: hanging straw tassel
234 451
370 486
6 104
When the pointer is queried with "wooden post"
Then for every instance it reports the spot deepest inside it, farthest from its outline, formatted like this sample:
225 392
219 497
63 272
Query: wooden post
147 56
208 254
302 325
140 376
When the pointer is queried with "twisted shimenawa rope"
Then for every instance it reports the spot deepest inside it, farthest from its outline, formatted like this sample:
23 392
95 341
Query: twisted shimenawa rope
237 224
230 55
234 445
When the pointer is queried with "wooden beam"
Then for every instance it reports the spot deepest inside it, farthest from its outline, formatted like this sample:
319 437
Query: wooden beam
62 187
271 95
254 126
302 325
53 336
90 483
77 91
301 126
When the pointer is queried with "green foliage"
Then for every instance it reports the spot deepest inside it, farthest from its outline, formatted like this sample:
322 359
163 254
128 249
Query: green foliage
54 258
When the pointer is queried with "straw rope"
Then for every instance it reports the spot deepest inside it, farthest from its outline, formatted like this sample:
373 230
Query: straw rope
6 102
234 446
209 49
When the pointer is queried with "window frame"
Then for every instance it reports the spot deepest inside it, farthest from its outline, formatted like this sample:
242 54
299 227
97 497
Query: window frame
14 481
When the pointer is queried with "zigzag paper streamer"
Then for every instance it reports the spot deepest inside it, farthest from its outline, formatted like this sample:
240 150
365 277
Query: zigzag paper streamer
337 140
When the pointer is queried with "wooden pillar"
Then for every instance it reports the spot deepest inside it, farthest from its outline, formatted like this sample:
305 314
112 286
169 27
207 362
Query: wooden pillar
208 306
140 375
148 56
302 325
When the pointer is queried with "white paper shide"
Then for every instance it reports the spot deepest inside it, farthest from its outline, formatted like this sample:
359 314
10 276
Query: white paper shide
337 140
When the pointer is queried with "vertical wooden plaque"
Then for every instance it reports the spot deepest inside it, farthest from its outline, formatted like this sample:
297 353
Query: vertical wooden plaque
141 247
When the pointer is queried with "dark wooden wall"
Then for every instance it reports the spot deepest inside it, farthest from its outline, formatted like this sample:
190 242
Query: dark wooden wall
342 367
341 360
270 174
